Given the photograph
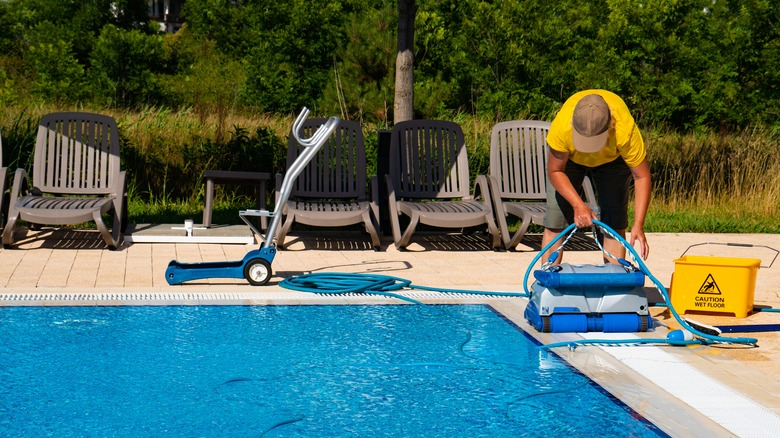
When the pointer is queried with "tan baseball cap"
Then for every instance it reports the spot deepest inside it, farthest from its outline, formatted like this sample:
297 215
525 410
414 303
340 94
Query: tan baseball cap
591 124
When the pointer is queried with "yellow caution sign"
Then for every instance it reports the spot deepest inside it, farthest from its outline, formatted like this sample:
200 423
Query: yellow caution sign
714 284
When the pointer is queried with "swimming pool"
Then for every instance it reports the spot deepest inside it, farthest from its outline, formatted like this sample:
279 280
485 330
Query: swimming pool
387 370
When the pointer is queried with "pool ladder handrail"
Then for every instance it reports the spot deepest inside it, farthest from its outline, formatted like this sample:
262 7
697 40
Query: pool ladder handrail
311 146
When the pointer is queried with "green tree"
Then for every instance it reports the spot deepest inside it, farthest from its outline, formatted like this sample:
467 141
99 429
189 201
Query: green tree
230 24
682 63
130 14
287 48
59 76
124 64
7 22
83 19
207 80
753 43
361 84
292 58
499 58
667 59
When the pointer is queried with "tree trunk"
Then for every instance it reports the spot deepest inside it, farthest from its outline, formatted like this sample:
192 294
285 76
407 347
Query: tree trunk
403 104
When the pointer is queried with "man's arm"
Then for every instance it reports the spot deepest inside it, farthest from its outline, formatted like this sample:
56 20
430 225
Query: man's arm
556 171
642 193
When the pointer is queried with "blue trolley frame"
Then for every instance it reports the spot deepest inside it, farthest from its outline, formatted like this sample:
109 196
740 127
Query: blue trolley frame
255 267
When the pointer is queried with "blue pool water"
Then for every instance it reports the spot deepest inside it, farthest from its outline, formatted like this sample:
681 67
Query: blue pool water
291 371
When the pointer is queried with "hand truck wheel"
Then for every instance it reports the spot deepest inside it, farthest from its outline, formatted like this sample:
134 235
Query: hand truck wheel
257 272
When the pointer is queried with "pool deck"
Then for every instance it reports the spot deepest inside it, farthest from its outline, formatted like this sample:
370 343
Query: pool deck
736 387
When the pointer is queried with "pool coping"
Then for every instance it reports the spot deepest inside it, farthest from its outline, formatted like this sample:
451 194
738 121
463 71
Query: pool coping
671 409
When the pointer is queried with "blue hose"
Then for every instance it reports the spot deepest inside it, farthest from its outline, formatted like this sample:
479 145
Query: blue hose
374 284
704 338
766 309
384 285
569 229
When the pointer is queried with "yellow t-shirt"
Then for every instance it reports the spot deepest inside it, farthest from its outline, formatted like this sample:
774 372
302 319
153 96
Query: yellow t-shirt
624 140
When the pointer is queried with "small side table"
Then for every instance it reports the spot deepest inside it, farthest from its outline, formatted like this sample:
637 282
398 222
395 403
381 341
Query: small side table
257 179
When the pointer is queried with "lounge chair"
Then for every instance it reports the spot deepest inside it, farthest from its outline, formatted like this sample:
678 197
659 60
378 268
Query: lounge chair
3 185
332 189
518 169
429 181
76 177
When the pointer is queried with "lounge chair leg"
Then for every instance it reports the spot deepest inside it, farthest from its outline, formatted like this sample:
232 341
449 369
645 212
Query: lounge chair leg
8 231
283 231
414 219
111 242
372 230
493 231
518 236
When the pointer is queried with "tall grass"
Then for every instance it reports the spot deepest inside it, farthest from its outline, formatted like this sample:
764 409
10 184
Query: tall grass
705 181
710 181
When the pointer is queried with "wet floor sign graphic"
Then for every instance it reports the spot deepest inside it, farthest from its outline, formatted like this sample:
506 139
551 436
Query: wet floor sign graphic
709 286
714 284
709 295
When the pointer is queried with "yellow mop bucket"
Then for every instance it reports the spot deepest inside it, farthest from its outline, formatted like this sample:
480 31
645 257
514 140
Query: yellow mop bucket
715 284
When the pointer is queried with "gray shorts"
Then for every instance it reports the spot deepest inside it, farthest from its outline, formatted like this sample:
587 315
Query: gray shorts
611 182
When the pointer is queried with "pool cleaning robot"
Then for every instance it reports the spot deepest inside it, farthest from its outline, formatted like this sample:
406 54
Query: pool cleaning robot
588 298
255 267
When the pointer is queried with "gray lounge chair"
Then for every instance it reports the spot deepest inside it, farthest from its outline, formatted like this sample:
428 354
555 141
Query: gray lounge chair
3 185
76 177
429 181
332 189
518 169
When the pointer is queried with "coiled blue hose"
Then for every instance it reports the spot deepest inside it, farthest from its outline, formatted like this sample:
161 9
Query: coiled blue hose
374 284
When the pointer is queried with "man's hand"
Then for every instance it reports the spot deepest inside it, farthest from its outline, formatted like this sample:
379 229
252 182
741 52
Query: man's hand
583 215
639 241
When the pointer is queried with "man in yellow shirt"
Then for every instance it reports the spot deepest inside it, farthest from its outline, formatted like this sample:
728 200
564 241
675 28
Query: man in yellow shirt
595 134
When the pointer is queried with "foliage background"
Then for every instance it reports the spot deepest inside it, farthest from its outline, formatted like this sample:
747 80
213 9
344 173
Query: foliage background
681 63
702 78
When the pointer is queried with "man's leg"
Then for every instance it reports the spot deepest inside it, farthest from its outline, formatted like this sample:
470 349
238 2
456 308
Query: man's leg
559 212
547 237
614 247
612 181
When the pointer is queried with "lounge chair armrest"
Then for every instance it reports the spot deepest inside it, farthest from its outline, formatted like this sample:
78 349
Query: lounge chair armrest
395 223
120 185
120 199
3 188
495 193
374 203
21 185
391 200
482 189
